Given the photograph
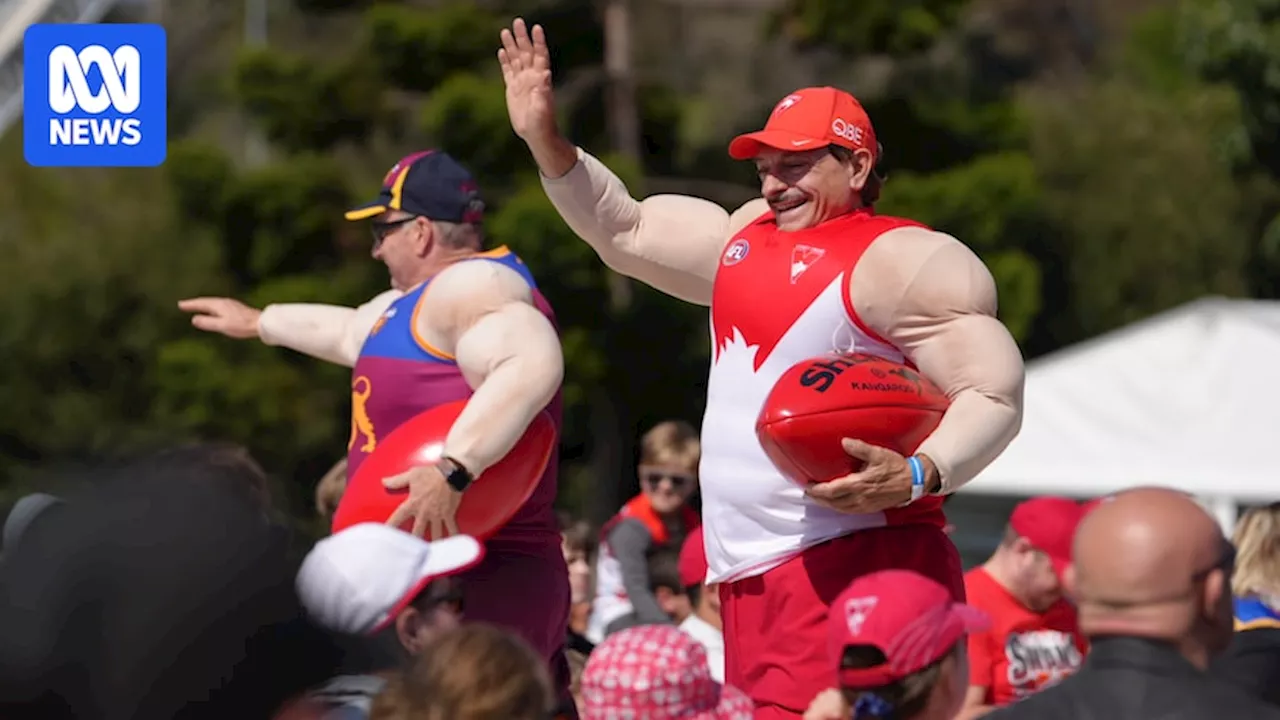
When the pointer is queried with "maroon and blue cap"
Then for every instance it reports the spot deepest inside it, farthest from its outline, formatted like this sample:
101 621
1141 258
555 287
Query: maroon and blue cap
428 183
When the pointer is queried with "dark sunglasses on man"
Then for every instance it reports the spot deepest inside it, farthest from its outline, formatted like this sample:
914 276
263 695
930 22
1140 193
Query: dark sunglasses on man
380 229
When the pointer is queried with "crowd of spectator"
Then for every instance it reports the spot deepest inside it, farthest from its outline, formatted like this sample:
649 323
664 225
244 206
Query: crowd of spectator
170 588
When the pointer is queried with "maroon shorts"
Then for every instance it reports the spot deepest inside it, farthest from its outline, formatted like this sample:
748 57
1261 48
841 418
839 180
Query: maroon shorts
775 624
527 591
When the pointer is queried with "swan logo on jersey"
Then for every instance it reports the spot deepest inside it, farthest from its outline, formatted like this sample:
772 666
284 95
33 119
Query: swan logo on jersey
736 252
802 258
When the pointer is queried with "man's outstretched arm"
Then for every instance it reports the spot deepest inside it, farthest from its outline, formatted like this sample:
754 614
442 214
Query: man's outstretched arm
670 242
933 298
329 332
482 314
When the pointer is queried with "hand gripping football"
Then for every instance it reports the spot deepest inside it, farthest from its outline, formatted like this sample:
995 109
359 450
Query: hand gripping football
491 501
824 399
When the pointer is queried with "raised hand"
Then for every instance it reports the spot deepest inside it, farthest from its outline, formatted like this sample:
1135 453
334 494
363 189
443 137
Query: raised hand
526 71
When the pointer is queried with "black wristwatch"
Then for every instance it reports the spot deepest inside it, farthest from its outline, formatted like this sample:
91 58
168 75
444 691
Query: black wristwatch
458 477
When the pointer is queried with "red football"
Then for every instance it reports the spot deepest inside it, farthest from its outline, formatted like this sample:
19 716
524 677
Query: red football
487 505
823 399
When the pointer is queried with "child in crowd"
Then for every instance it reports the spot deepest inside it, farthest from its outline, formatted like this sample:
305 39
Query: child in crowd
578 542
659 517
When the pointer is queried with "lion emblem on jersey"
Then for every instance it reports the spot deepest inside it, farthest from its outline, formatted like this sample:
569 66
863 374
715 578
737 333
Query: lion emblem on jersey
360 422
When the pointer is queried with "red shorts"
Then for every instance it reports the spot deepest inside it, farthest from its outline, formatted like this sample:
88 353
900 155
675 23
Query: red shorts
775 624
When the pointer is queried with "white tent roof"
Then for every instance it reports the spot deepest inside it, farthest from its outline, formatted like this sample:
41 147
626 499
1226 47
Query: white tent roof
1187 399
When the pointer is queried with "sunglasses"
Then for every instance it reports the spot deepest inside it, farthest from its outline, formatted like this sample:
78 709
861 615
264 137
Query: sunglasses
1226 562
380 229
679 481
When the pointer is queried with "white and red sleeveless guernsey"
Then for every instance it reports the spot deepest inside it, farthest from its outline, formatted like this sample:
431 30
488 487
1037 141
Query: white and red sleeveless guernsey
779 298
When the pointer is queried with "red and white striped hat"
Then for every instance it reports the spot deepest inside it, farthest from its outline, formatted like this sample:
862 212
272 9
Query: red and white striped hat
656 672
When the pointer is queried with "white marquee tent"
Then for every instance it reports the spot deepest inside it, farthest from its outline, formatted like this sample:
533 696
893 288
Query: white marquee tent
1187 399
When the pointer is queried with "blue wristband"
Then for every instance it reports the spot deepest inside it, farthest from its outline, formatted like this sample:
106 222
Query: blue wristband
917 477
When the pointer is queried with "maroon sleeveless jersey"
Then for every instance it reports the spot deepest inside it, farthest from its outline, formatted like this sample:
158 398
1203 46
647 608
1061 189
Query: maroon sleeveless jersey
398 375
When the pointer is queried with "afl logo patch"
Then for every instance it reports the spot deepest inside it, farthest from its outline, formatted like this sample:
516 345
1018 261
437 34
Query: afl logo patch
736 252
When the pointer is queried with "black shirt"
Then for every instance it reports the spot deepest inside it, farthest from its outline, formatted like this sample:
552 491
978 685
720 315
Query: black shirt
1126 678
154 598
1252 663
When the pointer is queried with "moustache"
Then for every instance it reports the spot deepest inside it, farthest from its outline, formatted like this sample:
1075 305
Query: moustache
785 198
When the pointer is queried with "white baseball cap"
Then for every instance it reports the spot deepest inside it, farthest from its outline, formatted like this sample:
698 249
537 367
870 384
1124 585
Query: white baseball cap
356 581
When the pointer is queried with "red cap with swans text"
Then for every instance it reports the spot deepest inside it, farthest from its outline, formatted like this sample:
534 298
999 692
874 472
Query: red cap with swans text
808 119
909 618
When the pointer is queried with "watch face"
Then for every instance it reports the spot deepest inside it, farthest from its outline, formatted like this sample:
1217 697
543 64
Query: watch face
456 475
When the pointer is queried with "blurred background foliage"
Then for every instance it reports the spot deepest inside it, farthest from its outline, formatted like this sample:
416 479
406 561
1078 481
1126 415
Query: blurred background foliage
1108 162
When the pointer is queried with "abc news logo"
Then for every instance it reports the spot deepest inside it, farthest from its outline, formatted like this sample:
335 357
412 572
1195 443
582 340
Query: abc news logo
70 94
95 95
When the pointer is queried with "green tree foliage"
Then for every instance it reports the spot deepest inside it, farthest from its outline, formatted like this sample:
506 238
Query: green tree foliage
1150 215
1236 44
416 50
467 113
303 104
994 204
280 219
878 26
94 262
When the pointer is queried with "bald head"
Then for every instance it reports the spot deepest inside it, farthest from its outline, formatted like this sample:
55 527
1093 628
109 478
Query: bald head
1151 563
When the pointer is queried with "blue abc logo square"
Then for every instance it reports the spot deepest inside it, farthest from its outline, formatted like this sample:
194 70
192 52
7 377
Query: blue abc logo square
94 95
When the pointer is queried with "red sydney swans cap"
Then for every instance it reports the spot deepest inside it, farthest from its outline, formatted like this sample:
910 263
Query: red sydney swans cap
811 118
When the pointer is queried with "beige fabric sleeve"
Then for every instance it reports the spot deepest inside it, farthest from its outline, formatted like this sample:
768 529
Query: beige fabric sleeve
931 296
328 332
482 313
670 242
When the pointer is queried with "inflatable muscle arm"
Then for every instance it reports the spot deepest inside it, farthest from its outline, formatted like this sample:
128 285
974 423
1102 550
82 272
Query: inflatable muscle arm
670 242
934 299
329 332
482 314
